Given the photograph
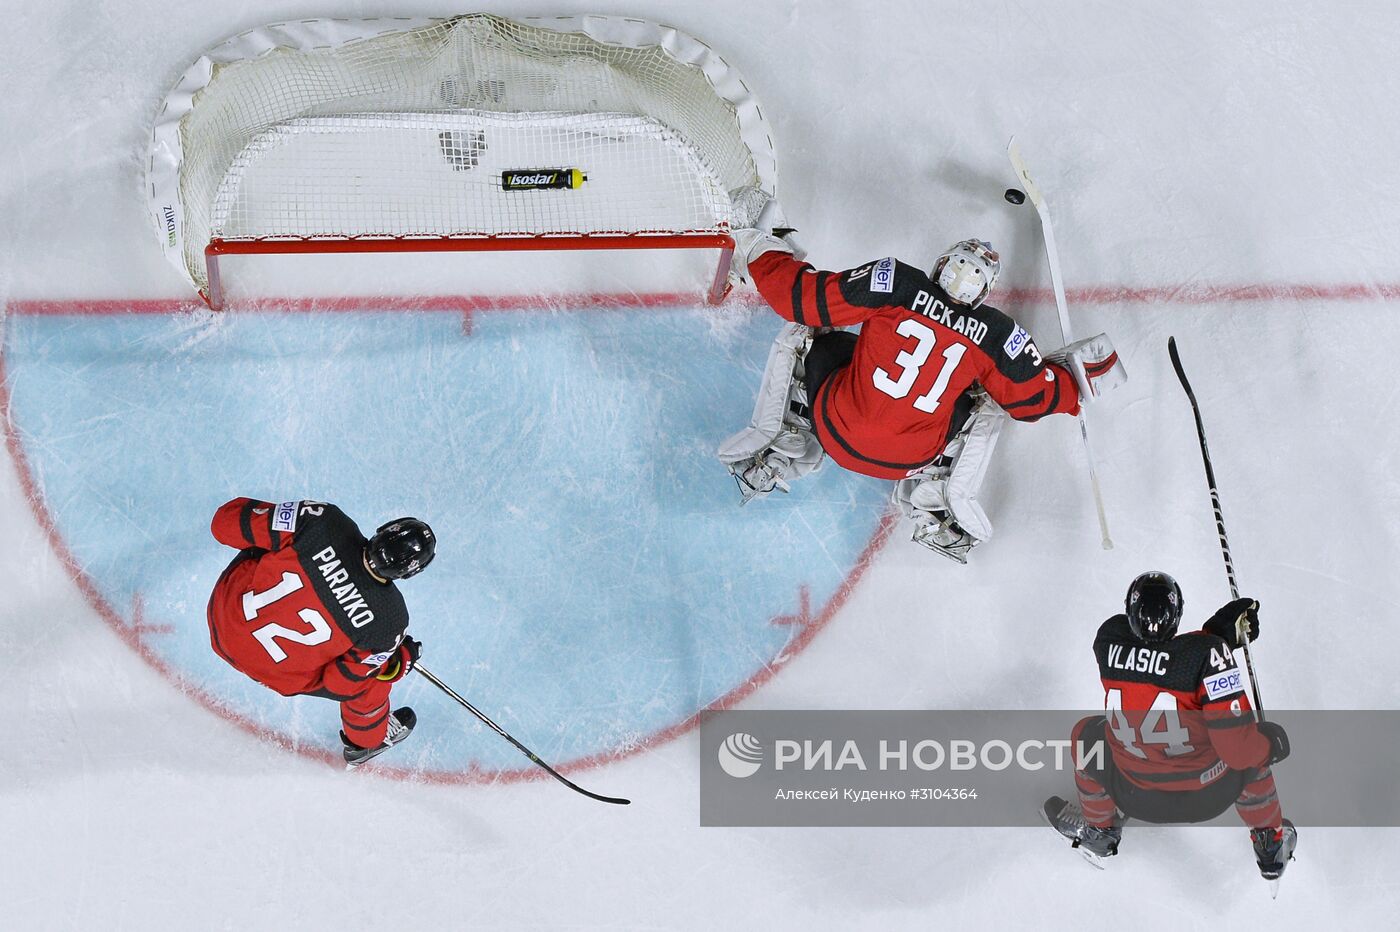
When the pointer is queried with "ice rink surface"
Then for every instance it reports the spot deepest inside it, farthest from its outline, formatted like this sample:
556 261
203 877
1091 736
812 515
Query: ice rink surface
1217 173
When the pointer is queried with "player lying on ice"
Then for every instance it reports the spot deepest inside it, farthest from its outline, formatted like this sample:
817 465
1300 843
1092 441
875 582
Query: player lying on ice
918 396
309 608
1183 741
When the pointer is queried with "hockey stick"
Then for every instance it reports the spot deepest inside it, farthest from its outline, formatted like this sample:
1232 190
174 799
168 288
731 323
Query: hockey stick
1241 624
1052 256
523 749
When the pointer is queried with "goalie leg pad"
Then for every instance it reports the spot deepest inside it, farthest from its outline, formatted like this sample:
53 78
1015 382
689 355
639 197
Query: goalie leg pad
979 440
800 448
950 485
924 491
771 409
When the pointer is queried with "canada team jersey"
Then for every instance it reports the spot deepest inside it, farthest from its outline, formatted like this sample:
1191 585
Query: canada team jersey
892 410
297 610
1178 712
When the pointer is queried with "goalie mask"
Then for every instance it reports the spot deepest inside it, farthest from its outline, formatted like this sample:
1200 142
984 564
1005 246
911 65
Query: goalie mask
968 271
1154 607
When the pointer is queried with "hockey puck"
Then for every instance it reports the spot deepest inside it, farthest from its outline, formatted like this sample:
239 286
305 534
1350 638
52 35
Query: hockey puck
1015 196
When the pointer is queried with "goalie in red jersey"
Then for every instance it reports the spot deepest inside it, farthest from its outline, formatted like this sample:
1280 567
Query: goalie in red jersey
1184 742
309 608
918 396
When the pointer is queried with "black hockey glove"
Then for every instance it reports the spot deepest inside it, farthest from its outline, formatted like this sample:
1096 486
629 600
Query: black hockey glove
1222 623
1278 740
401 662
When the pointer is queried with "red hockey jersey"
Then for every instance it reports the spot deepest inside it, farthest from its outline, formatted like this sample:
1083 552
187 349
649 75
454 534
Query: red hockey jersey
297 610
1178 712
891 411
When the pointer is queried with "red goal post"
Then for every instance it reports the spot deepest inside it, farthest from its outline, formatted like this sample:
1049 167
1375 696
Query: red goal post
410 135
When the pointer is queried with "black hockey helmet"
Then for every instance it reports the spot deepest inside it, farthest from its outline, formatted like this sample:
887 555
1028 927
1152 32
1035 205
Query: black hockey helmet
1154 605
400 549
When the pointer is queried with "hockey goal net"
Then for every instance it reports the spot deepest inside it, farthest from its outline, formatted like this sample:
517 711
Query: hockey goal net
471 133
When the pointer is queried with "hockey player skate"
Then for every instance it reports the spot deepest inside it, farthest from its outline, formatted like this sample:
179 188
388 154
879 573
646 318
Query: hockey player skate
941 534
768 469
760 474
401 723
1273 849
1093 842
923 497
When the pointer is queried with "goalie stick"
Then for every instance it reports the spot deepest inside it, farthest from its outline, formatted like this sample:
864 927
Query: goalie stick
523 749
1052 256
1241 625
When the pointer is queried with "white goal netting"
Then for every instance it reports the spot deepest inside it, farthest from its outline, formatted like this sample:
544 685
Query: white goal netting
393 130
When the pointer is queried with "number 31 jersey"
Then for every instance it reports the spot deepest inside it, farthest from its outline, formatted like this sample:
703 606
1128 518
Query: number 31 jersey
894 408
1178 713
297 610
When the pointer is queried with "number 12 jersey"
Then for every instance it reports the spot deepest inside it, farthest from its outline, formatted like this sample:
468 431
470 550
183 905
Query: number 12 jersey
297 610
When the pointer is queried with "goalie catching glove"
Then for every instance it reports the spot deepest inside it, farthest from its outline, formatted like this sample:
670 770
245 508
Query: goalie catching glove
770 231
1094 363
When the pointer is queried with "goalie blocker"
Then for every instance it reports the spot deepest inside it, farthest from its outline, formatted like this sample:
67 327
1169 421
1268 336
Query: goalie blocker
1094 364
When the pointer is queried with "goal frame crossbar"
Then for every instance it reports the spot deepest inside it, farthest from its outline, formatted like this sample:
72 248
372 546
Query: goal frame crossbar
213 294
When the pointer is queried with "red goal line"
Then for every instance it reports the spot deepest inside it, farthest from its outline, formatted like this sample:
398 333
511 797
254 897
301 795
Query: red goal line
1010 298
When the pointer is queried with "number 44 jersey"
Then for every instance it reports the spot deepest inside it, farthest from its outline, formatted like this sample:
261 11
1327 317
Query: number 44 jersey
297 610
893 409
1178 713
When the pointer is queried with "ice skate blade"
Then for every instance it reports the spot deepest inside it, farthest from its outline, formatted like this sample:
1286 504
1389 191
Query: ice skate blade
1273 882
748 493
957 551
349 767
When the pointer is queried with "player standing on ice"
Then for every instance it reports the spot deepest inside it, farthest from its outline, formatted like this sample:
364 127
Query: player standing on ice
309 608
918 396
1184 742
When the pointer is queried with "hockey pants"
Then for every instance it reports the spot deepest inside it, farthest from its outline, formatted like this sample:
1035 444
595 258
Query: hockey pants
1102 789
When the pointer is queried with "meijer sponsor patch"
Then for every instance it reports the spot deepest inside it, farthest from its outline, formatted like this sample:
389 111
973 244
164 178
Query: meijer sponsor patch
882 278
1016 342
378 660
1219 685
285 517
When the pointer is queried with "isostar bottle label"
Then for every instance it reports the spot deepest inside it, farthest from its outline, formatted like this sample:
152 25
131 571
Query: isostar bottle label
542 179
